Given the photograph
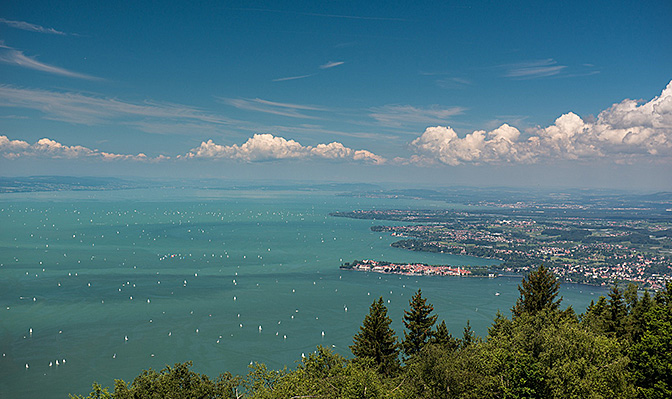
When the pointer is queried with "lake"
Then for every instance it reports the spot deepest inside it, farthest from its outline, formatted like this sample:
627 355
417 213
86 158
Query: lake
97 285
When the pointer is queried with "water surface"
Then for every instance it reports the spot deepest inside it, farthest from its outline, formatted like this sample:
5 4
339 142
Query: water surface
110 283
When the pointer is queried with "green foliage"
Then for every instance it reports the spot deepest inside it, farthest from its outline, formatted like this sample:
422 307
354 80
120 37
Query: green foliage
652 354
323 374
176 382
596 317
97 392
376 340
538 291
468 336
442 338
418 322
617 312
551 355
637 319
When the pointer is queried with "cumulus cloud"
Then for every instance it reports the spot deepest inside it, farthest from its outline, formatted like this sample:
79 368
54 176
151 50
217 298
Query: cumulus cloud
266 147
624 131
47 148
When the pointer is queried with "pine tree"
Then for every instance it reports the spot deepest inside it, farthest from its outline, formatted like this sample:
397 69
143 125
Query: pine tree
537 291
376 340
419 322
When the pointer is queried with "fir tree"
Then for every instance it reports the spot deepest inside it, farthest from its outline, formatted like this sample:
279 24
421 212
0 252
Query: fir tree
443 338
537 291
468 336
419 322
637 320
376 340
617 312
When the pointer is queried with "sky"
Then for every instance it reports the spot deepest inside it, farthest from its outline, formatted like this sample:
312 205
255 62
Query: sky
515 93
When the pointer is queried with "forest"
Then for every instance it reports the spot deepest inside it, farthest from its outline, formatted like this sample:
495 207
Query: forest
619 347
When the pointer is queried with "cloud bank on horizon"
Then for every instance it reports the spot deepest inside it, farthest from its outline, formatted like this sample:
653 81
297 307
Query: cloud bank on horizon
266 147
627 131
47 148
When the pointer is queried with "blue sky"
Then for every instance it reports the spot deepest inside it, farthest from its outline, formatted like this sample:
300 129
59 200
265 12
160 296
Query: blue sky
484 93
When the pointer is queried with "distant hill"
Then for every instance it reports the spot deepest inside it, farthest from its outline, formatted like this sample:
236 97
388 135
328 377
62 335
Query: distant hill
62 183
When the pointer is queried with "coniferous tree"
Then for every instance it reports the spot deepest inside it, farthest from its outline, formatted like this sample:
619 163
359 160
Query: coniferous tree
376 340
419 322
631 296
468 336
651 355
637 323
617 312
596 317
537 291
443 338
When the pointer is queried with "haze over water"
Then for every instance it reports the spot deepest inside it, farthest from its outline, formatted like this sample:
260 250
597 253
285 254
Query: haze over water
109 283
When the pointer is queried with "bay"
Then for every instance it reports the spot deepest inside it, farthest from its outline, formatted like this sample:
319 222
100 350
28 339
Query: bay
108 283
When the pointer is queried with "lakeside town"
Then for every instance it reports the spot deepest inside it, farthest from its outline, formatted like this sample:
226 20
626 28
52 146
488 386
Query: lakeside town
590 250
409 269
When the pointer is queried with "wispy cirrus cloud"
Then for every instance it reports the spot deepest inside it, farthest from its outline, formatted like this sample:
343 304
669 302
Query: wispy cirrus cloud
87 109
313 14
533 69
31 27
11 56
398 115
331 64
328 65
292 78
453 83
272 107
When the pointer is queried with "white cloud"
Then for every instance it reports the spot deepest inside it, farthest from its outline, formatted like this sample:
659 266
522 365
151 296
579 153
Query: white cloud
331 64
272 107
624 131
11 56
533 69
30 27
90 110
397 115
292 78
266 147
47 148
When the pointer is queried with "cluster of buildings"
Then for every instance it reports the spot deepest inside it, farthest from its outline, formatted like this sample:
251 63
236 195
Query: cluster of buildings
520 245
406 269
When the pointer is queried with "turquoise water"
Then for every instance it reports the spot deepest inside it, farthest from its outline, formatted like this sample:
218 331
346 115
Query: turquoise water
115 282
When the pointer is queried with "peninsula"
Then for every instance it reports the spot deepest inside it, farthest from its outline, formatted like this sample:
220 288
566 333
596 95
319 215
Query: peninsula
596 247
